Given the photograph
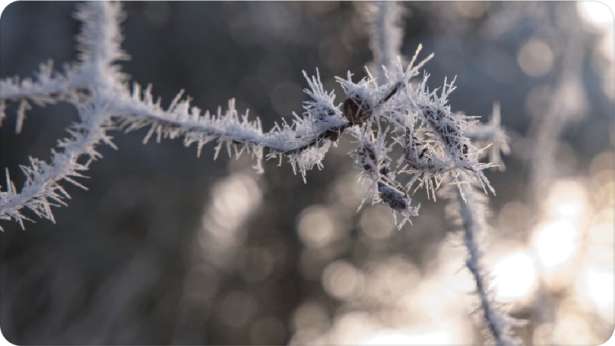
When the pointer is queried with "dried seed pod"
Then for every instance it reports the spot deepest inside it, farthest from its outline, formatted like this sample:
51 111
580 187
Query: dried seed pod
356 110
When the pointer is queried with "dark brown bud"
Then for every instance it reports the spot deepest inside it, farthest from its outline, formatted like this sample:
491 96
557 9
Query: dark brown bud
332 135
395 198
356 111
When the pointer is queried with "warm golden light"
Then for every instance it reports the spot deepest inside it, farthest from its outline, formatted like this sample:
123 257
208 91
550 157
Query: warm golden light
471 9
342 280
568 200
410 337
598 14
310 315
556 239
554 243
317 227
596 285
572 329
535 58
514 276
233 199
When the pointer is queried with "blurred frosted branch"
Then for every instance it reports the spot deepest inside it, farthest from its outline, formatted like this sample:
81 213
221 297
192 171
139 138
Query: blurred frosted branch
567 101
469 211
385 32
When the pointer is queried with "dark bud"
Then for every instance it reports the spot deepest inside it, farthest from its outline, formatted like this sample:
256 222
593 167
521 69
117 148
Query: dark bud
356 111
393 197
423 152
332 135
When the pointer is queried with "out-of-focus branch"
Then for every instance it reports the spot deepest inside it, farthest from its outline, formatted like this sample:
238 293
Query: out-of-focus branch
385 34
469 211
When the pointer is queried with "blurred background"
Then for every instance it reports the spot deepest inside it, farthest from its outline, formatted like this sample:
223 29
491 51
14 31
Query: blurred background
166 248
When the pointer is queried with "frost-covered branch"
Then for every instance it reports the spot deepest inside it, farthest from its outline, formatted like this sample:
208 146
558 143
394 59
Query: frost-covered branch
303 142
47 87
385 115
44 87
469 210
42 189
99 44
97 79
320 123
